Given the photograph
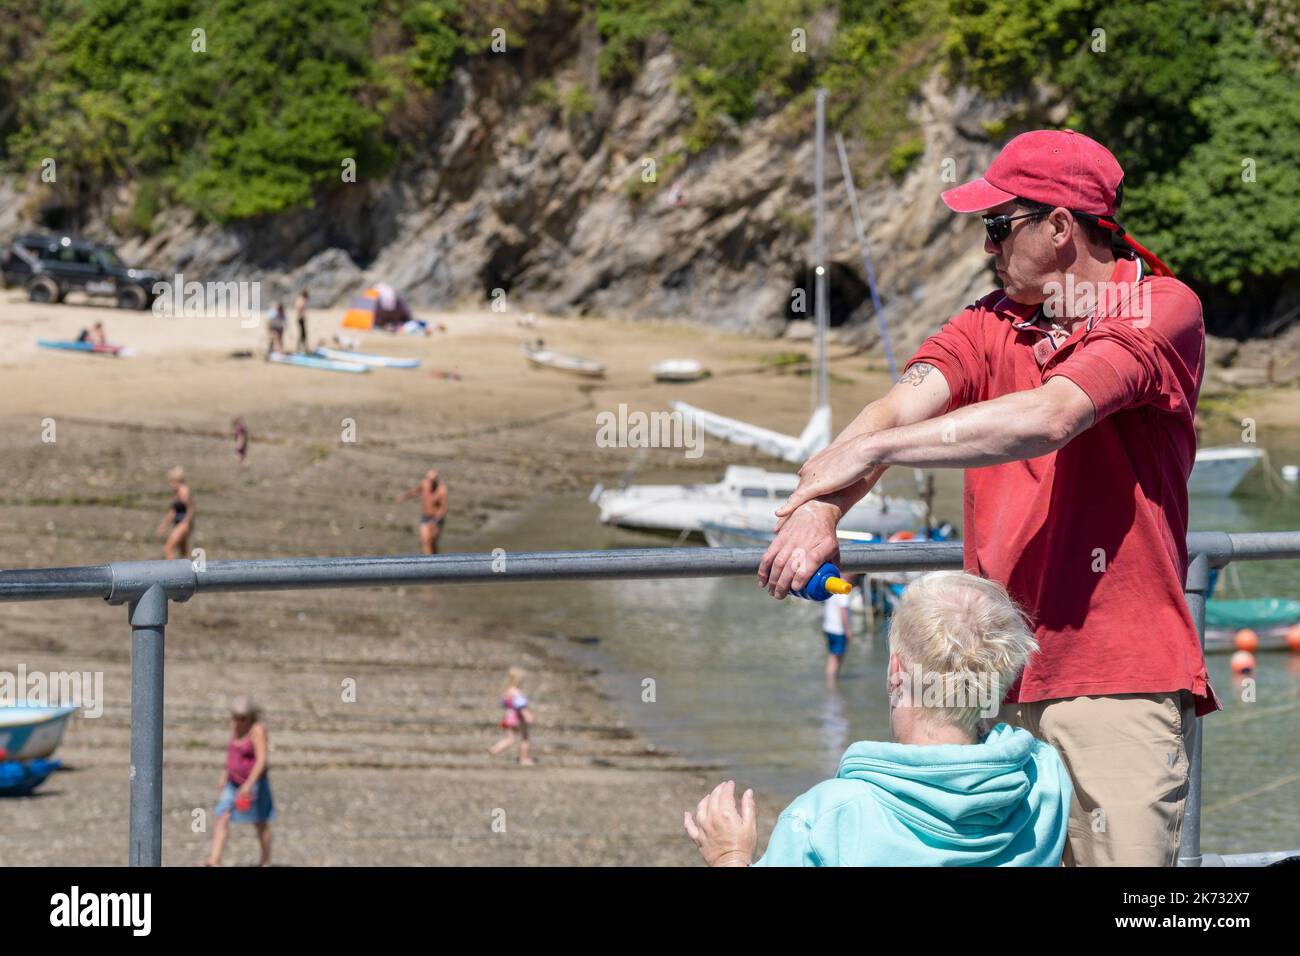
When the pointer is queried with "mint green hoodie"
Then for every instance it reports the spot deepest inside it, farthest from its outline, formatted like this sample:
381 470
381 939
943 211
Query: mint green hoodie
1002 802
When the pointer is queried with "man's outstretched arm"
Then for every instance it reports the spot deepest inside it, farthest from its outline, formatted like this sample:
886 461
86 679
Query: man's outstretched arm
1015 427
806 537
920 393
1012 427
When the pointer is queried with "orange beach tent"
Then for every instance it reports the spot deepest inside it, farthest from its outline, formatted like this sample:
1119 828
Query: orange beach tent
377 307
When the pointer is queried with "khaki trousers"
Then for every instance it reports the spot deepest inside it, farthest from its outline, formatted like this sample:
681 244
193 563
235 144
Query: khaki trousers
1128 756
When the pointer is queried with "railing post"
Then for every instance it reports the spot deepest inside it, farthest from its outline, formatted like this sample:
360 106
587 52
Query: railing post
1189 846
148 615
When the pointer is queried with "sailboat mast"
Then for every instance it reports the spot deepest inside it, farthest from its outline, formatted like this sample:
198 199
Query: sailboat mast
821 299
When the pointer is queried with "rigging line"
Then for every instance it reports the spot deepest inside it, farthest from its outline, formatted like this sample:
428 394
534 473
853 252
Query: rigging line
866 257
1251 794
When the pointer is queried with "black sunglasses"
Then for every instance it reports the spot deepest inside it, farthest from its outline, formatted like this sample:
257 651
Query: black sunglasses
999 227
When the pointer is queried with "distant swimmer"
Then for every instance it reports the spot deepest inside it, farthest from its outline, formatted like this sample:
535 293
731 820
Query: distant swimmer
180 514
434 499
241 441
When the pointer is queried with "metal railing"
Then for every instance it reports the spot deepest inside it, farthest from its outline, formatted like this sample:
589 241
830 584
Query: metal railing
147 588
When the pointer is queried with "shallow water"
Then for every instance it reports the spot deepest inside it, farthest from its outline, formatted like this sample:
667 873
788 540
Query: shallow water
737 677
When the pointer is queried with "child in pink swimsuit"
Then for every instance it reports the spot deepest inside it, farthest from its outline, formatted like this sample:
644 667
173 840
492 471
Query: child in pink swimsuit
517 717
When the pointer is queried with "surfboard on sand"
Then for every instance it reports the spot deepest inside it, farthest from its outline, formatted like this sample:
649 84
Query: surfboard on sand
379 361
315 361
87 347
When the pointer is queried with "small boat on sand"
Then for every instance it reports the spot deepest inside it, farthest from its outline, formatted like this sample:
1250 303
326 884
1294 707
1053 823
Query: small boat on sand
678 370
30 733
543 357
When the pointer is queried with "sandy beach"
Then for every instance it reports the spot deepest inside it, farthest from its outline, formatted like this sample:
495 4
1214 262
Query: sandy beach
401 775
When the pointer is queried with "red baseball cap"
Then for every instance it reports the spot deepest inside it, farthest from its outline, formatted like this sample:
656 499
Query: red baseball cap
1055 166
1061 168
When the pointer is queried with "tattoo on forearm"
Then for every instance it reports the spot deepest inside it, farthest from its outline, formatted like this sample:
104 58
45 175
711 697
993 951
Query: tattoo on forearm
916 374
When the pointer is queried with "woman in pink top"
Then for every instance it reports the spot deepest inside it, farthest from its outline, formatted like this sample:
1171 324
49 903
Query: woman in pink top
245 785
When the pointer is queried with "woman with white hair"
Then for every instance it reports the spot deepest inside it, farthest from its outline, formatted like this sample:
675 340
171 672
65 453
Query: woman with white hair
947 792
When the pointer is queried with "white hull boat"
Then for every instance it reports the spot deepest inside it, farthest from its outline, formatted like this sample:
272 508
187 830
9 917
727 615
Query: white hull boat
678 370
30 733
547 358
746 497
1218 471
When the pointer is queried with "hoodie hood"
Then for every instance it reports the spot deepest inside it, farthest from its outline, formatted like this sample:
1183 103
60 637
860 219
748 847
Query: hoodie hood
1003 801
947 788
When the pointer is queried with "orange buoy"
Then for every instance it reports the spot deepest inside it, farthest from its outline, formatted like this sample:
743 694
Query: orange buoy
1246 640
1293 637
902 536
1243 662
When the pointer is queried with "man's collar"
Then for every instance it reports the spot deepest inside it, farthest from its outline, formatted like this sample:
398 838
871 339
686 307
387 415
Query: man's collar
1023 316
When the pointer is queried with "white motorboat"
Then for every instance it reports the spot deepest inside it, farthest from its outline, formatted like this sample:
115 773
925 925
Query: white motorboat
1218 471
746 497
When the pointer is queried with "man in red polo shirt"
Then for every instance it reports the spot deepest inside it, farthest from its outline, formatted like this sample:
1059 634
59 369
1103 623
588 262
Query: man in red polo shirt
1068 396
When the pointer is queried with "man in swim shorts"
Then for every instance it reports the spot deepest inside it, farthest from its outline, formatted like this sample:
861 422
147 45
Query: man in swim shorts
433 496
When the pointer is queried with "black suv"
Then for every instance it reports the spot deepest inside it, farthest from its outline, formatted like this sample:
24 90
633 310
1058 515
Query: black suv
49 267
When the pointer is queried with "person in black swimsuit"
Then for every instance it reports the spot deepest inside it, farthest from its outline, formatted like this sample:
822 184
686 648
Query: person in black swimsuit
176 540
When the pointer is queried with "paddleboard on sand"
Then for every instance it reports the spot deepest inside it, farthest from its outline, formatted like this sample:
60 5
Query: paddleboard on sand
380 361
88 347
315 361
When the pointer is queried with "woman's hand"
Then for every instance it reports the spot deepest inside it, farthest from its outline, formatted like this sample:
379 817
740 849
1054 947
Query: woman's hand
831 470
726 836
806 540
